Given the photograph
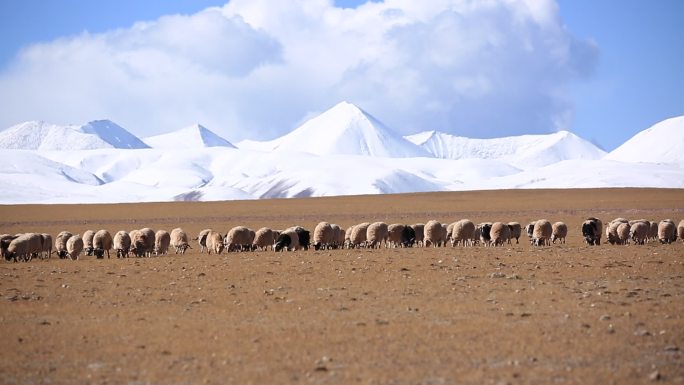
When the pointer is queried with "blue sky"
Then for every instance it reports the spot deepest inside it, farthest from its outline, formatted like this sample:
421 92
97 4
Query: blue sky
625 76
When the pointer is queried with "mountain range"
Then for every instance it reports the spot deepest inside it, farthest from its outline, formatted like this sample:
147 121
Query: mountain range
343 151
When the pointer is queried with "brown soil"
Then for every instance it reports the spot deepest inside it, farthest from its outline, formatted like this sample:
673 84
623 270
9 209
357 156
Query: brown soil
562 314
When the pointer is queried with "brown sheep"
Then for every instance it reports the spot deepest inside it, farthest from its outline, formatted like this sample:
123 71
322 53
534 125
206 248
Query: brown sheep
559 231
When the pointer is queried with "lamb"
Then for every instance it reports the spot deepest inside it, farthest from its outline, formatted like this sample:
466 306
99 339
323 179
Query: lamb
287 240
591 231
60 244
214 242
419 230
667 233
102 241
377 234
324 236
88 242
358 235
432 233
74 246
202 239
179 240
162 240
559 231
499 234
541 233
122 244
24 247
263 239
680 230
238 239
394 232
516 231
47 244
638 232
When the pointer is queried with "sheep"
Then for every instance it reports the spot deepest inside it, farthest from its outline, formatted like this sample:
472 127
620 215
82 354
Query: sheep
377 234
394 232
47 244
443 241
5 240
347 236
323 236
667 232
88 242
638 232
591 231
102 241
287 240
529 229
24 247
541 233
338 235
475 239
303 236
202 239
419 231
450 230
74 246
238 239
263 239
358 235
516 231
142 241
214 242
484 230
623 233
680 230
653 231
122 244
559 231
162 240
432 233
499 234
60 244
408 236
179 240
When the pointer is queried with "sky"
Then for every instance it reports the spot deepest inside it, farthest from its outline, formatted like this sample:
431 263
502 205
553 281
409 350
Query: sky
255 69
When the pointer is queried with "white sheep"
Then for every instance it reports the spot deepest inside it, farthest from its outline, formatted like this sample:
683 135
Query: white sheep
358 235
541 233
667 232
88 242
214 242
433 233
263 239
323 236
24 247
653 231
60 244
680 230
338 236
202 239
499 234
394 233
347 237
377 234
179 240
74 246
122 243
47 244
102 241
238 238
559 231
623 233
162 240
419 230
516 231
638 232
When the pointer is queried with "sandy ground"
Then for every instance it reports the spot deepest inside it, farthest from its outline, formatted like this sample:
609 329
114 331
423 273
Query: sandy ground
570 314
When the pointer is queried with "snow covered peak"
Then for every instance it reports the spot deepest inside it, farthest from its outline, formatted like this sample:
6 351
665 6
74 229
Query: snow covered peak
344 129
38 135
525 151
661 143
194 136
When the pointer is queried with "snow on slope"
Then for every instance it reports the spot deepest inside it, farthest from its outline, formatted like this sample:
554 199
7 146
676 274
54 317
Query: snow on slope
195 136
661 143
344 129
35 135
525 151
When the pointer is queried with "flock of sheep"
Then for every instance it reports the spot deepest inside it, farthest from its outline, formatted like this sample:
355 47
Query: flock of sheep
146 242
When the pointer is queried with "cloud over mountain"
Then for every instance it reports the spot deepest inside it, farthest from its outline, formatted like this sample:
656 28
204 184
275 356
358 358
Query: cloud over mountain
479 69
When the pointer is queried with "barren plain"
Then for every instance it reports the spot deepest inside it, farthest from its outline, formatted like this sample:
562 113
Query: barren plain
565 314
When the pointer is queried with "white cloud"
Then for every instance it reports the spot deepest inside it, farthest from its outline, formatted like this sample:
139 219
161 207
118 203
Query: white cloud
255 68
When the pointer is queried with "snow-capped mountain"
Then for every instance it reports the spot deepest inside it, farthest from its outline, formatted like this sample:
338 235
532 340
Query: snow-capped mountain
344 129
194 136
37 135
661 143
525 151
